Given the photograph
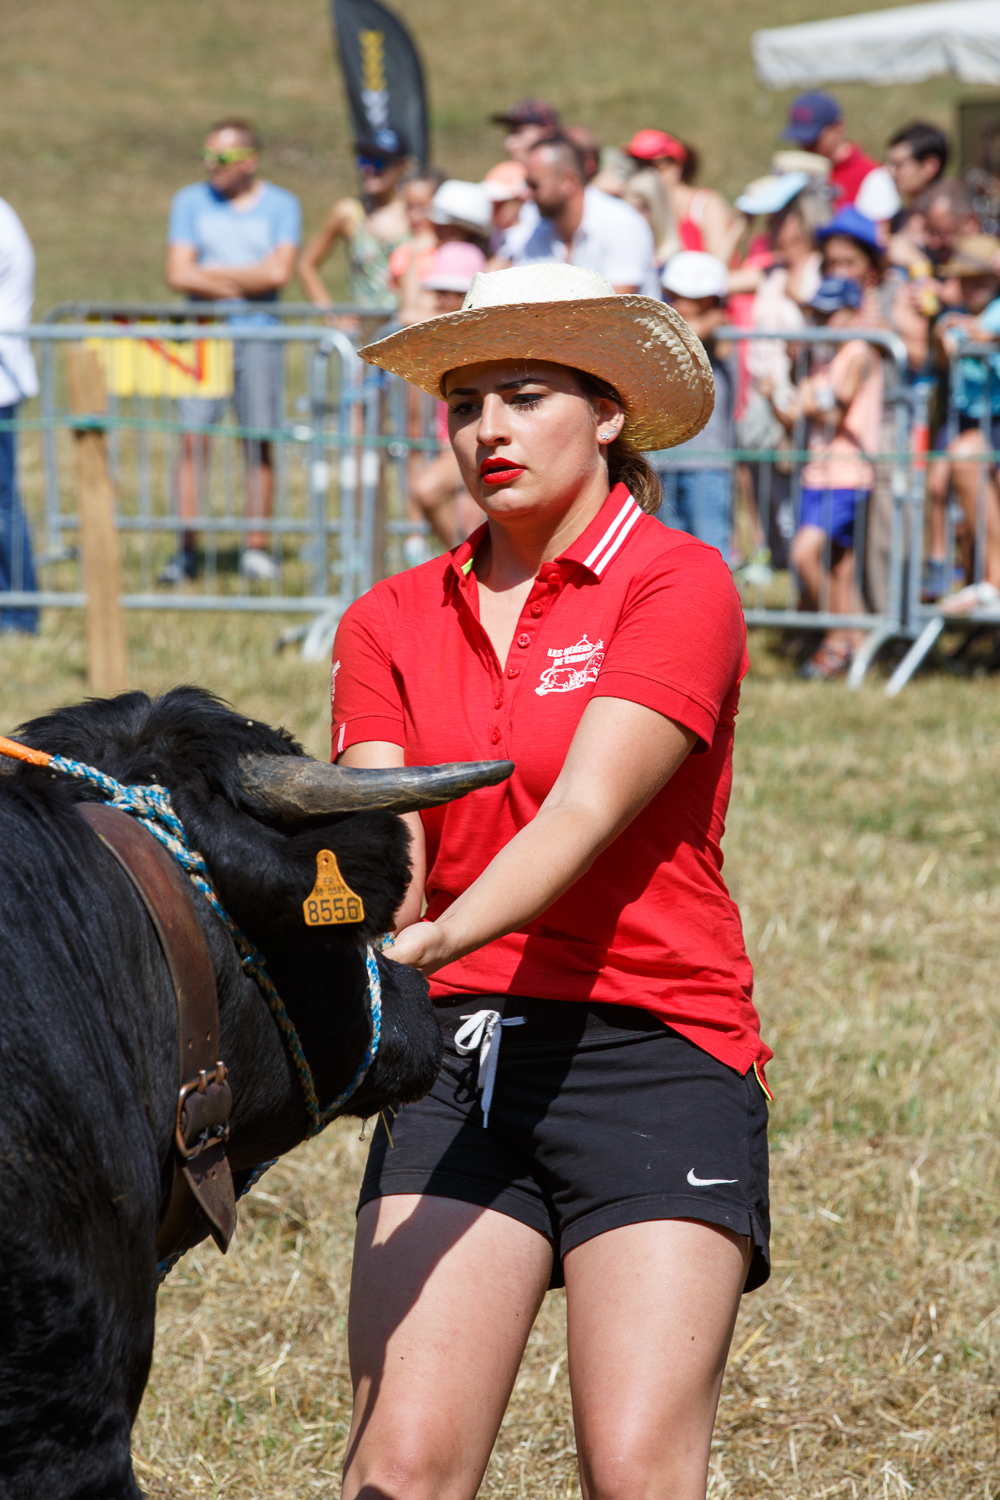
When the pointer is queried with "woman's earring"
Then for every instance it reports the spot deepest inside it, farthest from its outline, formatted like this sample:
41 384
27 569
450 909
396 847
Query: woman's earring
605 437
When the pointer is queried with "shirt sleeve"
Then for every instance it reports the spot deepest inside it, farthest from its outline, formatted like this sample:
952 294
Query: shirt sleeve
990 319
680 644
629 249
288 220
365 690
181 229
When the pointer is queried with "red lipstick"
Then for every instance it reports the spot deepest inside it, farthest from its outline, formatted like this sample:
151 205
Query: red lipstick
499 471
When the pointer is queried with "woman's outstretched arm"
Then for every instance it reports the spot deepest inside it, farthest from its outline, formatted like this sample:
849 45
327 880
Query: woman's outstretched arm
619 758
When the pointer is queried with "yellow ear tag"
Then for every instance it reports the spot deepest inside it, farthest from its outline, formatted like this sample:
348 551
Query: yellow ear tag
331 900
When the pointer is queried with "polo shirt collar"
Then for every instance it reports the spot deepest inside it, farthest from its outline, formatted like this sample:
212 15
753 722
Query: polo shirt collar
593 549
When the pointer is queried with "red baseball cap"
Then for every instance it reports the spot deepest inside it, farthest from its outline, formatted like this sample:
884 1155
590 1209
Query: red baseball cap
653 145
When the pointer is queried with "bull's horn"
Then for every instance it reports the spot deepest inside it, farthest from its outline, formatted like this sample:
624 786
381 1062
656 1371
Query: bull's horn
293 787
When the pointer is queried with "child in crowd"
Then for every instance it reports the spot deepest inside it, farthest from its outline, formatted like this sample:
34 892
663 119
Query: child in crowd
697 479
971 282
842 404
438 489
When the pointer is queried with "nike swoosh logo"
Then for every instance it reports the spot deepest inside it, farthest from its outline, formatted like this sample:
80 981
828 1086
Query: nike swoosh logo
708 1181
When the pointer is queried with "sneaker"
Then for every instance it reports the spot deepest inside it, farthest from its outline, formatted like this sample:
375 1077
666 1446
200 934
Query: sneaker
831 660
974 596
257 566
181 568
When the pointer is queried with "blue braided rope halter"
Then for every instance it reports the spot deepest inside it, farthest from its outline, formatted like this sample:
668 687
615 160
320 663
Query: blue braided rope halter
151 806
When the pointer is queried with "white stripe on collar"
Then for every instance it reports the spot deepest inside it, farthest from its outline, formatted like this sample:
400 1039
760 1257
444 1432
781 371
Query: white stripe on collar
613 537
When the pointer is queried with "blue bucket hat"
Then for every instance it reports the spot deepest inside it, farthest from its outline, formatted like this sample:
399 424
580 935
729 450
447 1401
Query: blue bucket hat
835 292
853 224
810 114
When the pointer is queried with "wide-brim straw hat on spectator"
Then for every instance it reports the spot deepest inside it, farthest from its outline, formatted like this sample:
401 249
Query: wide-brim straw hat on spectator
568 316
975 255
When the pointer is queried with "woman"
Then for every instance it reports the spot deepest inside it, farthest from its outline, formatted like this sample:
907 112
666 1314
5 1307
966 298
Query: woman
371 227
410 262
646 192
577 911
704 219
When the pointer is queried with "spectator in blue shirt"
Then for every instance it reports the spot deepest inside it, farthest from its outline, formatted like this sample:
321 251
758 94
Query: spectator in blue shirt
233 236
971 279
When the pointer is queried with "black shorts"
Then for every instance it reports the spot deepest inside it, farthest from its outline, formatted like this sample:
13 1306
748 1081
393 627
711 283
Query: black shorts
601 1116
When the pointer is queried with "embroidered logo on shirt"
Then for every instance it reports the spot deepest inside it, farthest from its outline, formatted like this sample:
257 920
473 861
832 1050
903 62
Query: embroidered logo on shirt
572 667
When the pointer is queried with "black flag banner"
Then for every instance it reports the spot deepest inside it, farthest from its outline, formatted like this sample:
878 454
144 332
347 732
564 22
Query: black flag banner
385 82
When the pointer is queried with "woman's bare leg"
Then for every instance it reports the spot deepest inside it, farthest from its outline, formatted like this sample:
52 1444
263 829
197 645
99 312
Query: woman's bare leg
807 559
976 489
651 1310
443 1297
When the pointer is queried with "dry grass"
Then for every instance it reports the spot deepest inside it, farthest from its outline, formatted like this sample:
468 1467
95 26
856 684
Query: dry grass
862 848
103 103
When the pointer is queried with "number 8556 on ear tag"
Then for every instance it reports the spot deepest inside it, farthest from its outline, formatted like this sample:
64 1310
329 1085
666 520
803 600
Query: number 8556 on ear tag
331 901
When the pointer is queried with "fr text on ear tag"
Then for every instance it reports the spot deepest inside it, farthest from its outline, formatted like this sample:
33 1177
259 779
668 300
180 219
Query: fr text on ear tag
331 900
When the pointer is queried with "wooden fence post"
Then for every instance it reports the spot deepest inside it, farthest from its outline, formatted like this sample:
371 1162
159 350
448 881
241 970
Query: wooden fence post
107 658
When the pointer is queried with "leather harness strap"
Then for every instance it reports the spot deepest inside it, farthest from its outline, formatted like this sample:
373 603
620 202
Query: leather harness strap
201 1176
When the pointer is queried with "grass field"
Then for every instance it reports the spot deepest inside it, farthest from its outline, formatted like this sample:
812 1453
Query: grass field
103 104
862 848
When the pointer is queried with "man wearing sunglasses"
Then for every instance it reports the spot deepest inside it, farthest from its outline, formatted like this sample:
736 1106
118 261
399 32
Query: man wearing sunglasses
233 236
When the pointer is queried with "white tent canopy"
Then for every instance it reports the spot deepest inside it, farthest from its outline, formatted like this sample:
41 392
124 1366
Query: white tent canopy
960 37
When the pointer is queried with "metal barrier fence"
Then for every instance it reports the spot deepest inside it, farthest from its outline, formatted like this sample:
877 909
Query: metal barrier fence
241 439
197 414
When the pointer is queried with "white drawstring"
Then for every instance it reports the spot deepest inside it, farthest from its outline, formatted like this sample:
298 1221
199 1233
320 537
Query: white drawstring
479 1031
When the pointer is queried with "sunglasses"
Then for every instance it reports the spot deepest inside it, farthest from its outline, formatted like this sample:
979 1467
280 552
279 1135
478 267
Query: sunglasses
213 159
377 163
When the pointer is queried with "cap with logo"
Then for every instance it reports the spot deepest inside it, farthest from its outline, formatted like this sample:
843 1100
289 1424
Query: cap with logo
531 111
655 145
693 273
809 115
382 143
835 292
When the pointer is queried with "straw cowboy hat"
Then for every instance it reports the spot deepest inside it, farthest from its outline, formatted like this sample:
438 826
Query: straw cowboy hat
572 317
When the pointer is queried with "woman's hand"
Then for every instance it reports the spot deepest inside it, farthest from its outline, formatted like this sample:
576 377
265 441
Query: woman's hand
423 946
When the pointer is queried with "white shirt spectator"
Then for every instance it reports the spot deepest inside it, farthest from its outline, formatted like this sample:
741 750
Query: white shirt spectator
18 377
613 239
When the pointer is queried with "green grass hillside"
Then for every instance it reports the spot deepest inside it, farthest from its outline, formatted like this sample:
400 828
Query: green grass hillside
103 102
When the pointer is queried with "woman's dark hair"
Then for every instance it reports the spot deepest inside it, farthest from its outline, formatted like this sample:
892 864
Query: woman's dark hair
626 465
876 258
691 163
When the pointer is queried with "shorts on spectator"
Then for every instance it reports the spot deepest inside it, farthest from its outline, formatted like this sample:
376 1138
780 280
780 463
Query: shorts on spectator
700 502
967 423
257 391
832 511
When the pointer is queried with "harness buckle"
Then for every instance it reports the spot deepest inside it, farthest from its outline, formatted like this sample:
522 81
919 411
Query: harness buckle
204 1104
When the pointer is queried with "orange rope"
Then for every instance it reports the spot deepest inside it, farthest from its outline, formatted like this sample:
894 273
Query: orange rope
15 751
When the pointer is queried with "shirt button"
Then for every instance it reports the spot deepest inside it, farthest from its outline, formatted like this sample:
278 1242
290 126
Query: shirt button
513 671
495 737
536 610
555 583
524 639
498 702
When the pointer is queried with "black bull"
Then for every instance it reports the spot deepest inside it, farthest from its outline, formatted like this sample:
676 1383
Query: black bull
88 1036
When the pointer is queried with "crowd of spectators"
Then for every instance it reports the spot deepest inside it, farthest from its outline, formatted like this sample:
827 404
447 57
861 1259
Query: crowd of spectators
829 237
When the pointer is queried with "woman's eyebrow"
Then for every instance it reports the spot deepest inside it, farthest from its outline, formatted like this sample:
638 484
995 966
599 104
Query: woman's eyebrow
505 385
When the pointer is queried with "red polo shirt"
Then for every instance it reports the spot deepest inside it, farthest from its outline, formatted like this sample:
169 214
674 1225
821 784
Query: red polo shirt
847 175
630 610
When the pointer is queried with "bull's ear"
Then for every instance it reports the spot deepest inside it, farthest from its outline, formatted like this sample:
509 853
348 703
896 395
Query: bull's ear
293 788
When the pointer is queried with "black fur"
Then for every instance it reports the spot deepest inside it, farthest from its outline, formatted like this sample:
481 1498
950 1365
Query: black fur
88 1053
